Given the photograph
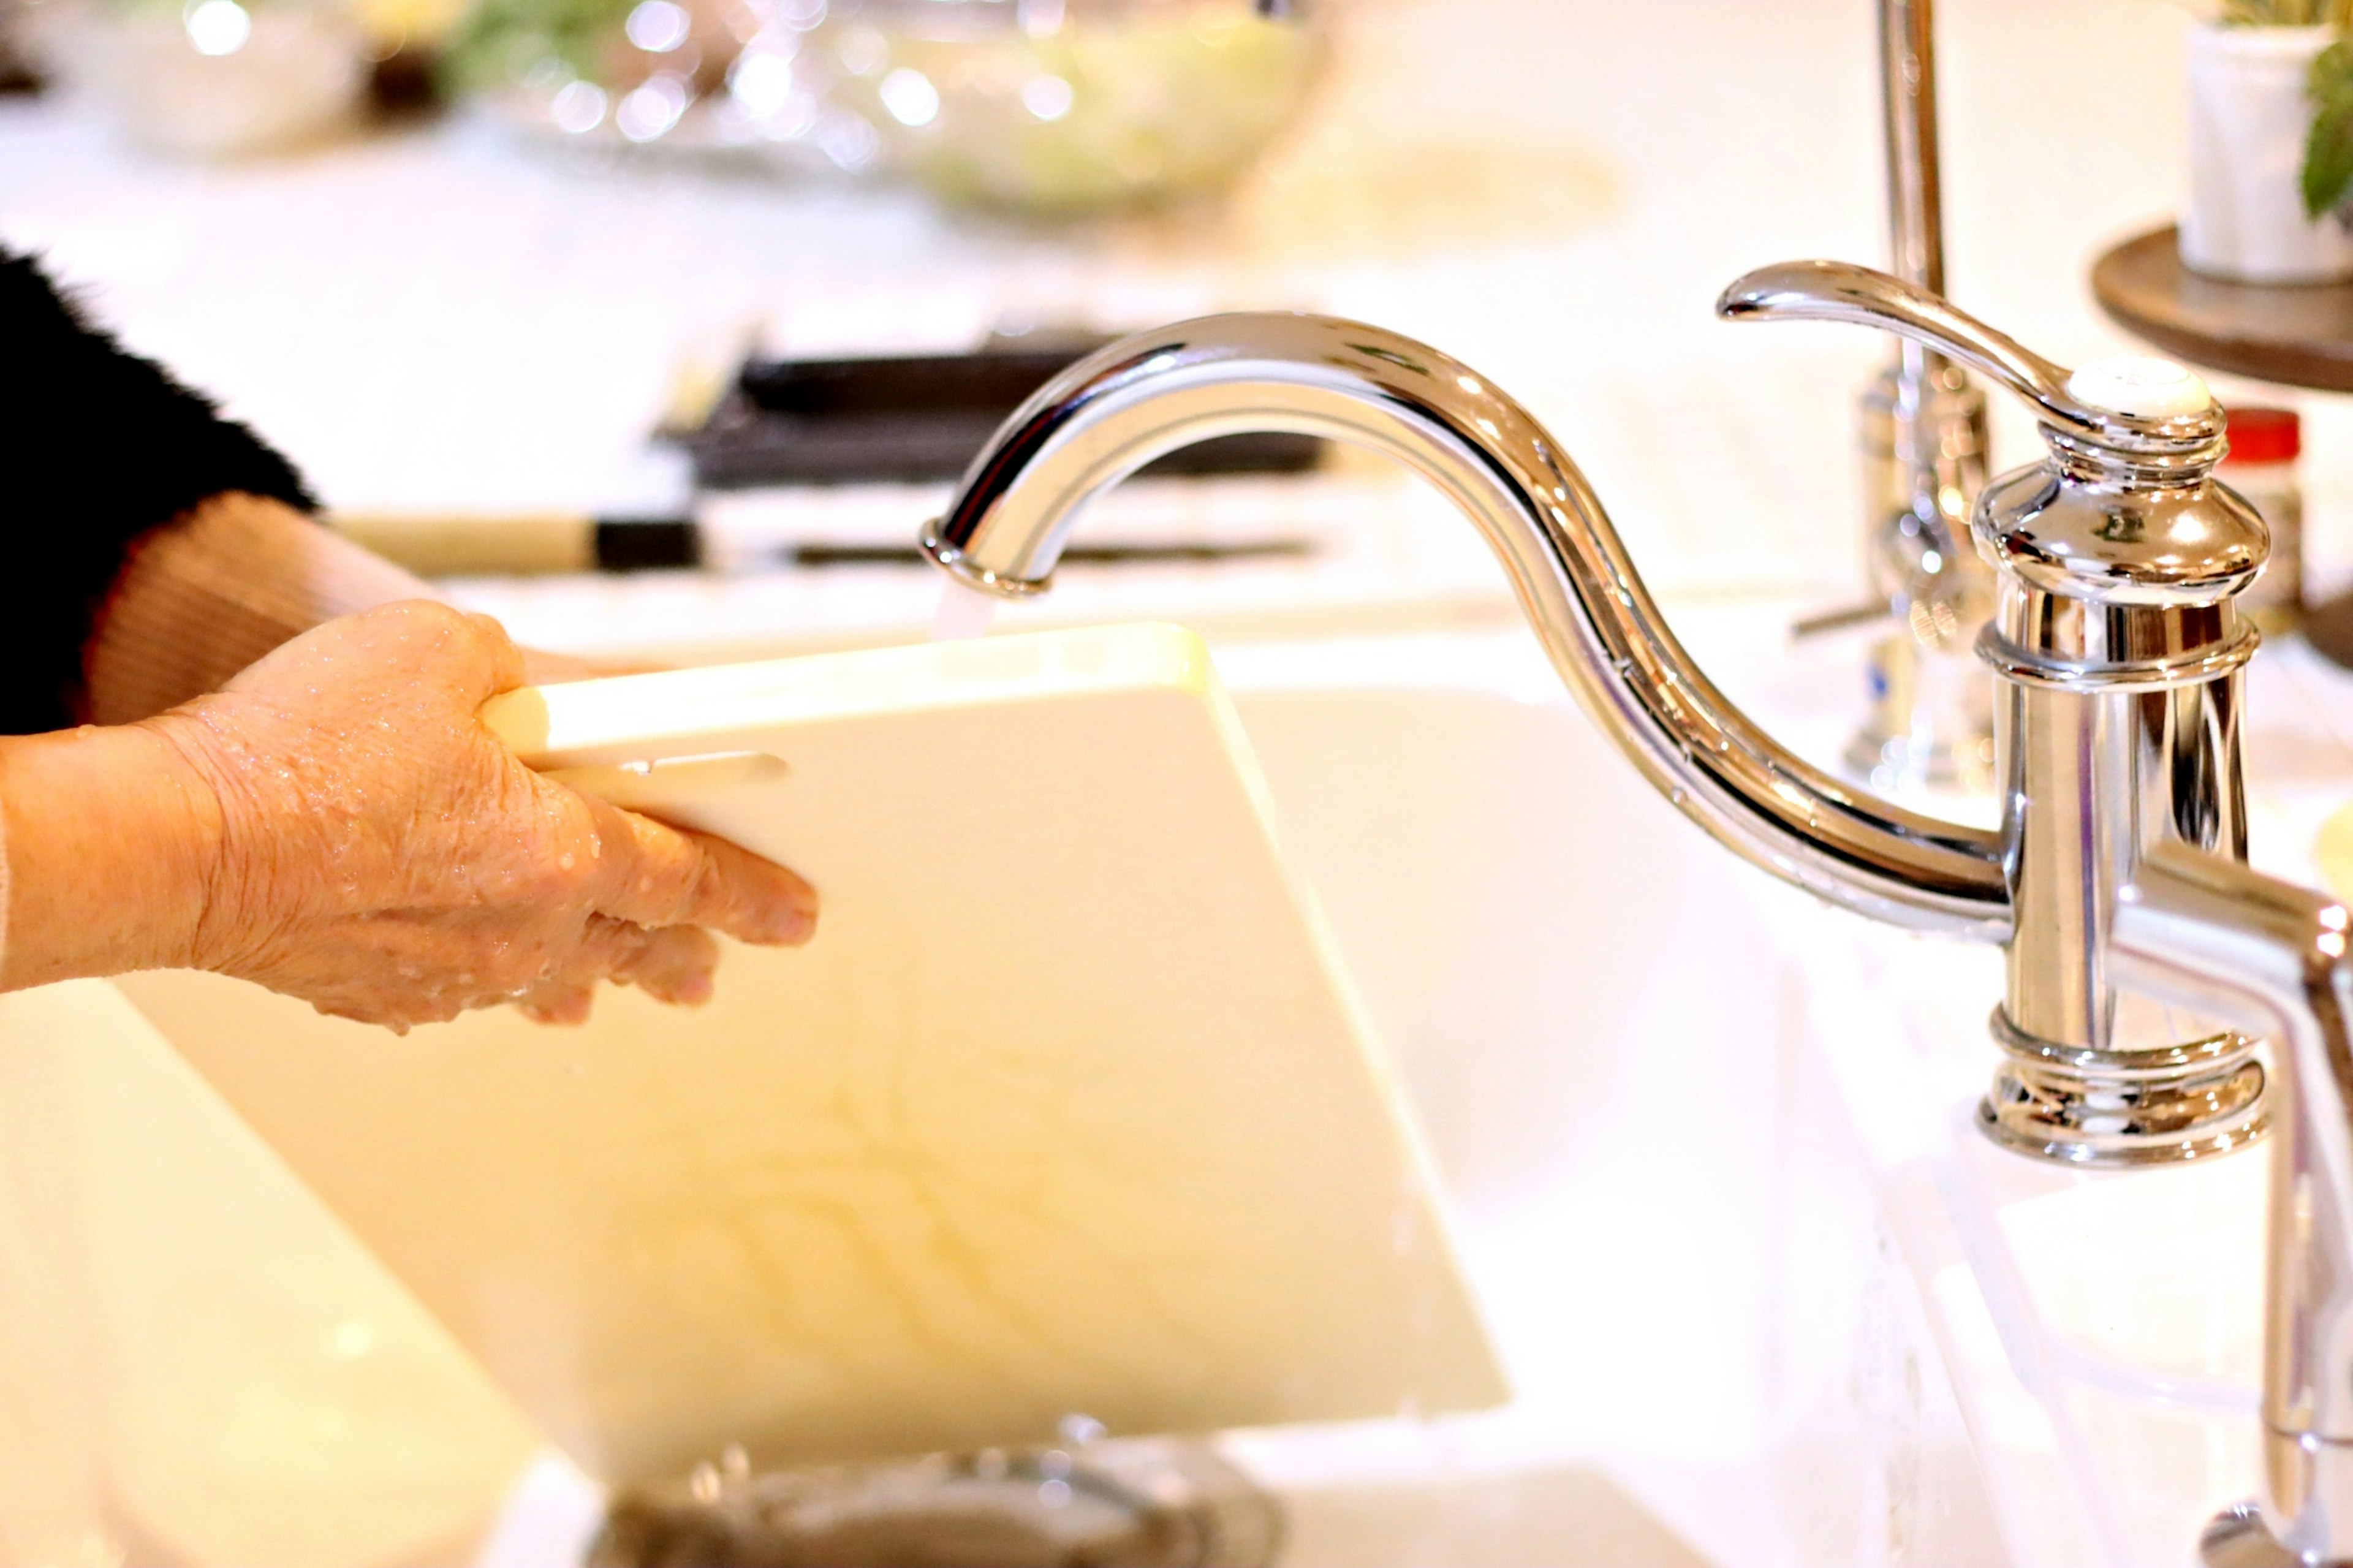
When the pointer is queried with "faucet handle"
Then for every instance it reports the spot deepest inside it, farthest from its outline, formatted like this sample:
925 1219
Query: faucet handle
2129 403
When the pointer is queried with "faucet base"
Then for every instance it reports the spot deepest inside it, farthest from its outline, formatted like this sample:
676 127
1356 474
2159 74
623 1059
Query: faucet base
2110 1109
1931 719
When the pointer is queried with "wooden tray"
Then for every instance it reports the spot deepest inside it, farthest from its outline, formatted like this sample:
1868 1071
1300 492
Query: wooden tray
2296 335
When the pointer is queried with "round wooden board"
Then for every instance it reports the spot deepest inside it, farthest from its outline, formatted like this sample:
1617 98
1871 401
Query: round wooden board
2296 335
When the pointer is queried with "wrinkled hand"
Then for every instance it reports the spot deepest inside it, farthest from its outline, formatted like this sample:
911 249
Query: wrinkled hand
382 856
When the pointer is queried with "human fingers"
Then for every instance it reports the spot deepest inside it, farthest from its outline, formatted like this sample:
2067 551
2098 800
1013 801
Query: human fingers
675 964
670 963
469 657
565 1002
655 875
476 657
502 665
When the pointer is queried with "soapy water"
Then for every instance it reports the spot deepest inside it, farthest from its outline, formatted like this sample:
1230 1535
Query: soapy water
963 613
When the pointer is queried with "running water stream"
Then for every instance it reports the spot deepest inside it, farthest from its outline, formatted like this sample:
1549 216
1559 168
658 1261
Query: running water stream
963 613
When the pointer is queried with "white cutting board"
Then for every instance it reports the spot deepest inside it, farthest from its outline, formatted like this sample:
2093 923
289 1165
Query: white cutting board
1066 1108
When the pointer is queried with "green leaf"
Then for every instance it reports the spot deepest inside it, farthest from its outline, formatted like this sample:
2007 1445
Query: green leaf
2328 162
2327 174
2330 77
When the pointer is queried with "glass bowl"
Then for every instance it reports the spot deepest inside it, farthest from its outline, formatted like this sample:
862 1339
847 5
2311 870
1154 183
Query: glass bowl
1055 107
1075 106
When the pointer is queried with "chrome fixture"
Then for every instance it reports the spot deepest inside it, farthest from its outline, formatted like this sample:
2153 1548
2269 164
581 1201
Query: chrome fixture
2139 945
1157 391
1122 1503
2115 636
1923 436
2118 648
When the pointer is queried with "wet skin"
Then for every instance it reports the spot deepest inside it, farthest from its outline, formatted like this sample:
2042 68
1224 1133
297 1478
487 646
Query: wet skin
337 824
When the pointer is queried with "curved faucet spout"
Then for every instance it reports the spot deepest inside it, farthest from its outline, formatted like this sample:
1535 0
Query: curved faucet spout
1153 393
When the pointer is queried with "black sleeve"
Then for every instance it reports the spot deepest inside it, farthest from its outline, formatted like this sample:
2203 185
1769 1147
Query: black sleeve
101 446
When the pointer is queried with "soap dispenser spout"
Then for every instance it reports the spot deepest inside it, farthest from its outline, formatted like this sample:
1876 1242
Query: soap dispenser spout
1157 391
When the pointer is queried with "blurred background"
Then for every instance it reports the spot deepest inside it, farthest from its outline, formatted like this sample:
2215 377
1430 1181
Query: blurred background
469 257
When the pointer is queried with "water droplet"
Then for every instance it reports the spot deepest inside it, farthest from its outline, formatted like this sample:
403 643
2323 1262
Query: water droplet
1079 1429
1053 1494
704 1483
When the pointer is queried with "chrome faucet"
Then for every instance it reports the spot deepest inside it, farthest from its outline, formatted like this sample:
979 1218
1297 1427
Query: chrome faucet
1924 442
2139 945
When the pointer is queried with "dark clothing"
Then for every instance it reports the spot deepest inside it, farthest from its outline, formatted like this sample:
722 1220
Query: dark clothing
97 447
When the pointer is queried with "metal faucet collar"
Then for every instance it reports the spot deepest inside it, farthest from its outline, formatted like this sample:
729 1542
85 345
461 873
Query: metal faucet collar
2095 528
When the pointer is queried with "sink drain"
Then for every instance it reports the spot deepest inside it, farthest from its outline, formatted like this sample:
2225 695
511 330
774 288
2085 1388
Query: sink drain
1123 1503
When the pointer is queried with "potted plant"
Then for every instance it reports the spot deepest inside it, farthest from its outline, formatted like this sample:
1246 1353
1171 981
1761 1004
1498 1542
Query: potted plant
2271 143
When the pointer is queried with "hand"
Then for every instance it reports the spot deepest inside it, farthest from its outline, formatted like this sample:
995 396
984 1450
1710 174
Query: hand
377 852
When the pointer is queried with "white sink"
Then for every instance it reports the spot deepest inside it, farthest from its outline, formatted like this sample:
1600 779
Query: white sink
1641 1068
1603 1030
2103 1330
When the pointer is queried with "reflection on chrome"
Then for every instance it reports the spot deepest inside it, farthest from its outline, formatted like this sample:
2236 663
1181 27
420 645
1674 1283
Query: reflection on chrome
1924 442
1159 390
2116 881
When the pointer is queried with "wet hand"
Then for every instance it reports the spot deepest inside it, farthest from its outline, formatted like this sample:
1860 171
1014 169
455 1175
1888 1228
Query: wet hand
374 850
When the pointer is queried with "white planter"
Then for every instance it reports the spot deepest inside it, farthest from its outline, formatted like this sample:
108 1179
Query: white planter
2248 116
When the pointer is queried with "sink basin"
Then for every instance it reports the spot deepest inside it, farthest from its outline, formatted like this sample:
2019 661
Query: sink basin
1607 1026
1605 1033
